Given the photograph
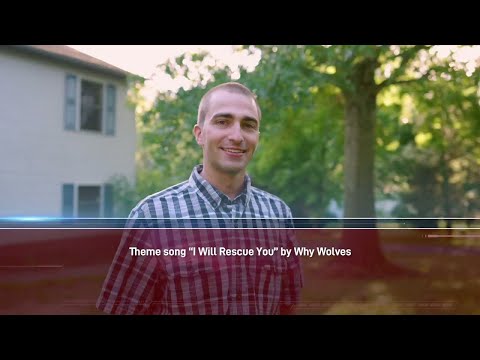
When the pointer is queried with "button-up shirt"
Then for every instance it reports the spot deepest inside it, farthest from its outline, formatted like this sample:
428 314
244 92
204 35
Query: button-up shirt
190 229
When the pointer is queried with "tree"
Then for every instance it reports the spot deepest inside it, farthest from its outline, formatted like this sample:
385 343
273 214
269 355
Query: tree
291 82
443 155
362 72
305 131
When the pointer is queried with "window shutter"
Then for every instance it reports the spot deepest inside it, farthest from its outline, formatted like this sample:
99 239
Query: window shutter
108 200
110 113
67 200
70 101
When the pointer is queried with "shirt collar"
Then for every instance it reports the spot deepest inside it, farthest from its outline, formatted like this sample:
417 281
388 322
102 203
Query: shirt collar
212 194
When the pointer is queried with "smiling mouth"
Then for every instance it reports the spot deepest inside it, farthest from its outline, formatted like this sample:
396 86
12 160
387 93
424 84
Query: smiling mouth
234 151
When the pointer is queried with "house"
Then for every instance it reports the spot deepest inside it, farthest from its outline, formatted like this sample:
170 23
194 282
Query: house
65 129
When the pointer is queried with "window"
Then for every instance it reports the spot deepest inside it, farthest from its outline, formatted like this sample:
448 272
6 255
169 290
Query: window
89 203
89 105
92 201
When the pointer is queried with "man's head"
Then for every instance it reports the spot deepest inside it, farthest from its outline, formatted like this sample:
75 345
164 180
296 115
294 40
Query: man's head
233 87
228 128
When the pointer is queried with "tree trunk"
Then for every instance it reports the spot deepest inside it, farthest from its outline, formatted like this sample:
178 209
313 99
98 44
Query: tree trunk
359 150
359 201
367 258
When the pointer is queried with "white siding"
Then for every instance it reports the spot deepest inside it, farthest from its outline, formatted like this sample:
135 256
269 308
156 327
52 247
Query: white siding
36 154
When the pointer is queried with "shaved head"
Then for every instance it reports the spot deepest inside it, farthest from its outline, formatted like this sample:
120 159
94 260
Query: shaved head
233 87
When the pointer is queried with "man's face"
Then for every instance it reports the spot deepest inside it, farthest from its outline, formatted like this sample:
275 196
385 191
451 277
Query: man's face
229 135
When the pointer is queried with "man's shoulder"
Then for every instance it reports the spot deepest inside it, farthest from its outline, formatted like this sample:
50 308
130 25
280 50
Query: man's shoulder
263 195
167 194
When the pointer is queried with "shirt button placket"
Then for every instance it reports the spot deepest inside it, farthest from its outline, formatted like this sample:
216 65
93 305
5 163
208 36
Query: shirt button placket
235 215
229 211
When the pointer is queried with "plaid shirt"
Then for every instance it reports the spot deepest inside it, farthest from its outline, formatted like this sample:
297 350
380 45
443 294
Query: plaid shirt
195 214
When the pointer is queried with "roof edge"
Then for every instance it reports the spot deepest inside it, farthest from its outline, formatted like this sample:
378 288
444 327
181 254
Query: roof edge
122 74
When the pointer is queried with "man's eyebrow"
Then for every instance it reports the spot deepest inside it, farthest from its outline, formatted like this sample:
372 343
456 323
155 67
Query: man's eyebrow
226 115
230 116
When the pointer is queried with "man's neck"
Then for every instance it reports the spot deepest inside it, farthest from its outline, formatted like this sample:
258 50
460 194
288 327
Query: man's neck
230 185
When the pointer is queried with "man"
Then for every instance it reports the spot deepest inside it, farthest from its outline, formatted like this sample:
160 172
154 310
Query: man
217 211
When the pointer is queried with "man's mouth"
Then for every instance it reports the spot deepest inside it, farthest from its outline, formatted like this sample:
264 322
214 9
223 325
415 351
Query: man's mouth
235 151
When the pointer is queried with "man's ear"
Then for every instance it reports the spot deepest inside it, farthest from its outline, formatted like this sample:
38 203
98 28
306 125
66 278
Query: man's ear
197 131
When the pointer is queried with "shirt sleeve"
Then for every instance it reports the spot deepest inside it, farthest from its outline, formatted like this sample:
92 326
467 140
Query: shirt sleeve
292 281
130 283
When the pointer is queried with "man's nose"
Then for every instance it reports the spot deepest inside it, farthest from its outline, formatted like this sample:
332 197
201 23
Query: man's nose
235 134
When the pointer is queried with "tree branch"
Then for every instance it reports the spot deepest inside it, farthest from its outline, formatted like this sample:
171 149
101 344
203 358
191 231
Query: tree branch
407 56
399 82
406 81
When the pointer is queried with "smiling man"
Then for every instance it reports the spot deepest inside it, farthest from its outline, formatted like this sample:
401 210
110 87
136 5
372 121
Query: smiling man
219 194
228 131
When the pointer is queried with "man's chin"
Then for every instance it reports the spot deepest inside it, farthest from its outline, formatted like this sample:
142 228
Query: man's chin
232 169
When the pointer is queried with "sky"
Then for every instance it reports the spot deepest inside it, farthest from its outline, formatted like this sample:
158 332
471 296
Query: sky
144 59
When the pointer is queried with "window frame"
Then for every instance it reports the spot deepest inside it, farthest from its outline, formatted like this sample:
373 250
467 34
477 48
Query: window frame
76 199
78 105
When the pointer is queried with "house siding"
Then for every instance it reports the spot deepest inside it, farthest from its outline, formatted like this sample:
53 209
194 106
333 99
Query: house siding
37 154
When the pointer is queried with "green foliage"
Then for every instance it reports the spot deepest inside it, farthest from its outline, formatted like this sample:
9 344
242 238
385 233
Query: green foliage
300 143
435 171
127 194
124 195
301 132
305 154
427 113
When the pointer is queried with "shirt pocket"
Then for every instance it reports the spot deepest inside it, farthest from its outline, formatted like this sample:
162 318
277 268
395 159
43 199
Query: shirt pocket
274 265
266 277
194 287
